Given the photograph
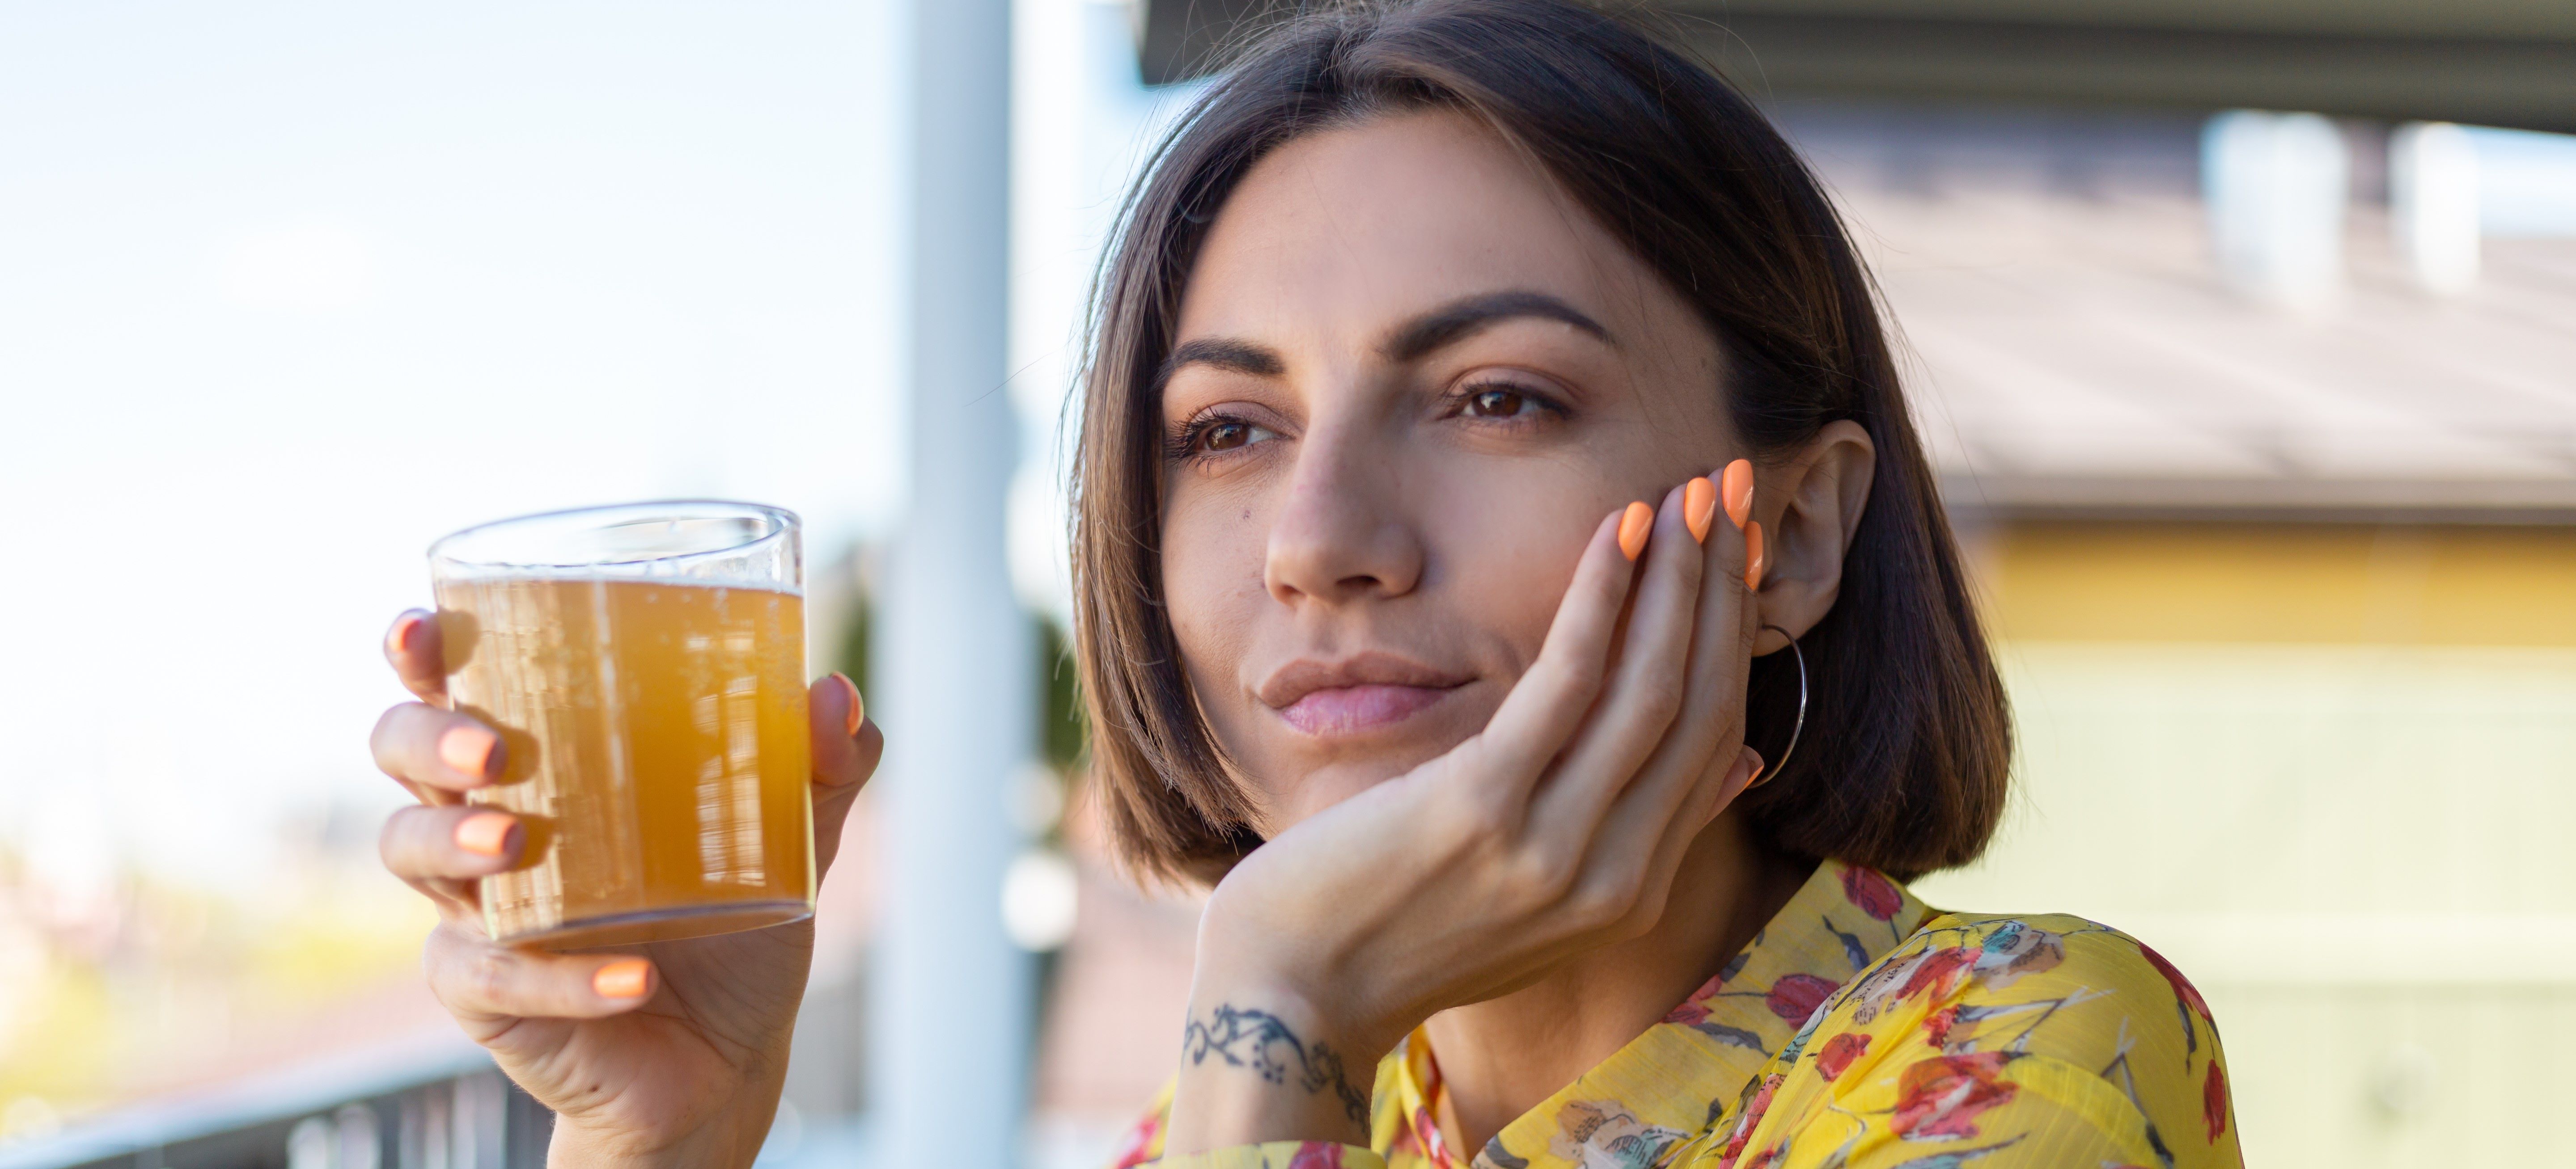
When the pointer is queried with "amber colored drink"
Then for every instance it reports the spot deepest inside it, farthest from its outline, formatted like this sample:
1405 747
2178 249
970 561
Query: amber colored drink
657 752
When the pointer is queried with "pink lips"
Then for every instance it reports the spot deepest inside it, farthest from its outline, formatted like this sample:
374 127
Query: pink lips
1346 710
1355 694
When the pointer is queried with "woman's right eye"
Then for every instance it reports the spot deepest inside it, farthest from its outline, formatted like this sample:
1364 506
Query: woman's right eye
1225 436
1210 438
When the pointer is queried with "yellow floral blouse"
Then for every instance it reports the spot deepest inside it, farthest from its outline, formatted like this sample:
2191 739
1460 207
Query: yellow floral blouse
1860 1030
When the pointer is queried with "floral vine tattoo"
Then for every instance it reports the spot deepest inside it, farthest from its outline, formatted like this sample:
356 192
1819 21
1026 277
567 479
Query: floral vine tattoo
1252 1038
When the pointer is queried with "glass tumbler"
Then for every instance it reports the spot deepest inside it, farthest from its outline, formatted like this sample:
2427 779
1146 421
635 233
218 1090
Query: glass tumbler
645 666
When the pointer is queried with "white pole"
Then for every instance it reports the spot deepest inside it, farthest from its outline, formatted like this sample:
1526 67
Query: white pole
951 1016
2433 204
2275 188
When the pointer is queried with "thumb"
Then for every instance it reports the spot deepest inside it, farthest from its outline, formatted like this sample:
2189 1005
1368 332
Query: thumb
847 748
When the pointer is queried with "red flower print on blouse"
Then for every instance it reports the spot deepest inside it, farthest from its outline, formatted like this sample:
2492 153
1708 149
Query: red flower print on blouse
1938 1099
1873 894
2182 986
1936 1027
1838 1054
1748 1120
1691 1013
1132 1151
1797 996
2213 1101
1316 1155
1427 1139
1939 972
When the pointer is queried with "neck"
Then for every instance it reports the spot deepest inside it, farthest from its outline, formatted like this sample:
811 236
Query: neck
1504 1056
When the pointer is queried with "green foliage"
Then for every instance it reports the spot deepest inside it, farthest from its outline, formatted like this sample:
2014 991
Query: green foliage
1063 733
853 659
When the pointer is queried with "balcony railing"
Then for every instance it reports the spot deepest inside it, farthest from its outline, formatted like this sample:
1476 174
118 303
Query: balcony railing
430 1105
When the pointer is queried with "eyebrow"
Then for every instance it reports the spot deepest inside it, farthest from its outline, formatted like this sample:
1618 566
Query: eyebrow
1410 341
1461 319
1224 353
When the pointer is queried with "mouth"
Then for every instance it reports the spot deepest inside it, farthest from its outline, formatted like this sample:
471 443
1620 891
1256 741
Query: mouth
1354 695
1350 710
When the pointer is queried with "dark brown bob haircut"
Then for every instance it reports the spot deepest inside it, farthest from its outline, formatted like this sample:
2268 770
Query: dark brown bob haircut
1903 761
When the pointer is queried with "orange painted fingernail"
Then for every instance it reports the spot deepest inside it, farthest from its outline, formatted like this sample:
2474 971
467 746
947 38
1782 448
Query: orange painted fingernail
1699 506
1748 757
1638 520
1738 489
621 979
858 711
468 749
487 833
398 640
1756 557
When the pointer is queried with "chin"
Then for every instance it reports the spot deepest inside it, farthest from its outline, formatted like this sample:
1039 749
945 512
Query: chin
1316 787
1317 790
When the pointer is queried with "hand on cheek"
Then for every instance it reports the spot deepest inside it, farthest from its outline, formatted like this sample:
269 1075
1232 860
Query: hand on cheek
1555 830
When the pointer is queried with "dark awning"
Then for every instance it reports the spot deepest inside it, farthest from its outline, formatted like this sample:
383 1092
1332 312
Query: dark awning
2489 62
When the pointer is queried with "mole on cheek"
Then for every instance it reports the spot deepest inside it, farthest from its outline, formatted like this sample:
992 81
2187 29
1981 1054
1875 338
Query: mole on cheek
1247 513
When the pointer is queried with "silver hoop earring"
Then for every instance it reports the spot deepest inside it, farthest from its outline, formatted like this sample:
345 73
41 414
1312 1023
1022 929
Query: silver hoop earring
1797 728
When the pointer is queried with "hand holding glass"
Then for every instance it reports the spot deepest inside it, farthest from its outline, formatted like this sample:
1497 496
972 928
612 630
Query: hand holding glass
644 665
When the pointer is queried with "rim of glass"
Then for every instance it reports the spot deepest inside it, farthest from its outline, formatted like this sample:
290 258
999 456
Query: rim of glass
774 523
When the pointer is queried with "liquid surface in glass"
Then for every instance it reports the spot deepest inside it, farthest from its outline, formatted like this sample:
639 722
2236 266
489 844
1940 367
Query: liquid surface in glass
657 753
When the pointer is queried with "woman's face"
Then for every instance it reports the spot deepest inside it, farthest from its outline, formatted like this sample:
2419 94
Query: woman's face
1411 378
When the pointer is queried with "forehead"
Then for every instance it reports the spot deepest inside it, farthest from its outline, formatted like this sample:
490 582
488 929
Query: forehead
1341 231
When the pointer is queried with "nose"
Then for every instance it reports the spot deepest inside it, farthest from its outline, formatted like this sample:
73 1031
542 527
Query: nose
1343 534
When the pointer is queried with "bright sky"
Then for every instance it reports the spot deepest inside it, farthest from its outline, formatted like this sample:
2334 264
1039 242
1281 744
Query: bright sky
287 290
2527 182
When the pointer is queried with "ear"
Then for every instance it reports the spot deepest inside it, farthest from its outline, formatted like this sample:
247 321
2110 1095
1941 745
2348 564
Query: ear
1810 509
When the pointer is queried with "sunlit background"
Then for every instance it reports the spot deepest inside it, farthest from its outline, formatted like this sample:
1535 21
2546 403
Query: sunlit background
2261 429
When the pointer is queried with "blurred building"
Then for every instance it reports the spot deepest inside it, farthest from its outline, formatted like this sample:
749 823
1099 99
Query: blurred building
2285 594
2261 432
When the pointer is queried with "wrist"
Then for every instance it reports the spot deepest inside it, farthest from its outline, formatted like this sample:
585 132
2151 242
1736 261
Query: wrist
729 1139
1254 958
1262 1063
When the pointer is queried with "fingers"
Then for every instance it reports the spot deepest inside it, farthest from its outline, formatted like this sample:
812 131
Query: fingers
1645 692
1646 882
1745 775
437 751
1634 525
1721 657
1550 700
454 842
412 646
847 748
846 744
1699 507
1701 765
1737 487
1659 777
478 981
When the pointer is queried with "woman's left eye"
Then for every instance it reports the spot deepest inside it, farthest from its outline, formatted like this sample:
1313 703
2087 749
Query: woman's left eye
1496 403
1502 402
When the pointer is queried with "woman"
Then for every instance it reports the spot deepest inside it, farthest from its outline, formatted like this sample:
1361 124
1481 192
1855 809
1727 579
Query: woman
1436 343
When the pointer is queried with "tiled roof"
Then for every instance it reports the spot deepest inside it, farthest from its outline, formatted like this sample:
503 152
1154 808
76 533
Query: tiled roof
2071 348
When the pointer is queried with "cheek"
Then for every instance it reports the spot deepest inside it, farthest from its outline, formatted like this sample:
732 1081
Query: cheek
1511 544
1212 559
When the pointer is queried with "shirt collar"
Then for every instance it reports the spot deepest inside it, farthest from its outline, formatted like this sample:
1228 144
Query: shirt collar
1685 1072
